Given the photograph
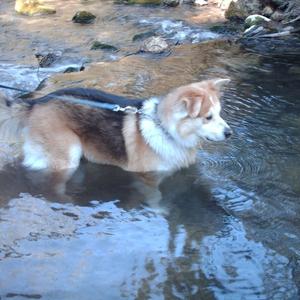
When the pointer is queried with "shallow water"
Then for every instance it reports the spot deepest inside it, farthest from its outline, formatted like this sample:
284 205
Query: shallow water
225 228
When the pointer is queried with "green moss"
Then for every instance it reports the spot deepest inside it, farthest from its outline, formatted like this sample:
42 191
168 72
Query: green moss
102 46
83 17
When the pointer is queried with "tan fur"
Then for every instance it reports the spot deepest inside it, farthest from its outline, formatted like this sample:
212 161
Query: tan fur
11 121
48 128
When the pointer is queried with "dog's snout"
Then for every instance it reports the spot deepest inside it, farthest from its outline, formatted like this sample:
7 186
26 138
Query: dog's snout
228 133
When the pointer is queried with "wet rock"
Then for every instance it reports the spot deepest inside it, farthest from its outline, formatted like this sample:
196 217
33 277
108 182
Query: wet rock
154 2
74 69
171 3
241 9
155 45
33 7
255 20
277 16
254 30
103 46
47 59
83 17
142 36
200 2
267 11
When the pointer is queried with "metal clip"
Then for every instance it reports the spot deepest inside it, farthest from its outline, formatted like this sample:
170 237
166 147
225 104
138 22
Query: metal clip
127 109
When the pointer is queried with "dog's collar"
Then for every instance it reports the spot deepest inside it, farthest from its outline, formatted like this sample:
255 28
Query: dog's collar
149 111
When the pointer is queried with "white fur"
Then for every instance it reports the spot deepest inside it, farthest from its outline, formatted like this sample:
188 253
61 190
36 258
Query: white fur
214 129
173 154
75 156
34 156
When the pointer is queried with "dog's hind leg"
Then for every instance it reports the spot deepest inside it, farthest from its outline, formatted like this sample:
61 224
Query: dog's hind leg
53 151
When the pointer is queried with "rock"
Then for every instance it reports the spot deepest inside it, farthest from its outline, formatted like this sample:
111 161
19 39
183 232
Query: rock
33 7
279 2
268 11
142 36
102 46
47 59
155 45
255 20
241 9
253 31
83 17
171 3
223 4
145 2
74 69
200 2
277 16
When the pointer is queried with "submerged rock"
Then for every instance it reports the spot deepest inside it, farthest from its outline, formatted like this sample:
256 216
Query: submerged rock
155 44
84 17
142 36
33 7
103 46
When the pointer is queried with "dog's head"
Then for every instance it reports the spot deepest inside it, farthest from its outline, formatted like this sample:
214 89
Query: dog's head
192 112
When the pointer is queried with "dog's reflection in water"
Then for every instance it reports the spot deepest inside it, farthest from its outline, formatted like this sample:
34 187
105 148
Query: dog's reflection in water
98 182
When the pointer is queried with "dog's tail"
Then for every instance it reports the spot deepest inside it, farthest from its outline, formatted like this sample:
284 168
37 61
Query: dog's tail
12 120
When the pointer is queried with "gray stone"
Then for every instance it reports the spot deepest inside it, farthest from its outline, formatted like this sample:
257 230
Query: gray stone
241 9
155 45
268 11
171 3
277 16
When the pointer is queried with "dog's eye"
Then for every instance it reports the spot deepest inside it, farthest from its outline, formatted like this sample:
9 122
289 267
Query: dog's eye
209 117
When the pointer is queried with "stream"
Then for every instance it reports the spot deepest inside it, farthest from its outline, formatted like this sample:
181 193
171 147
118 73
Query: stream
228 227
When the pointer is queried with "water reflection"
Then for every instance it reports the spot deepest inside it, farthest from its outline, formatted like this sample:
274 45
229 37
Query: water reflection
84 248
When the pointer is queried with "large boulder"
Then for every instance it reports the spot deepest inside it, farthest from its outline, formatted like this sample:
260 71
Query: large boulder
241 9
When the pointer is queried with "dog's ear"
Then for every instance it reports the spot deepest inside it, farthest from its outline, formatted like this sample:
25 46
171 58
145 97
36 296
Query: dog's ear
191 100
220 82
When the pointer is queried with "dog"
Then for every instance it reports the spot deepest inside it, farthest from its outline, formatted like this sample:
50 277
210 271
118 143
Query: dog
163 136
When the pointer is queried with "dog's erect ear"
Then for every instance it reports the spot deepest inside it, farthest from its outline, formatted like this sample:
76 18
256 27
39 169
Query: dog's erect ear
220 82
192 101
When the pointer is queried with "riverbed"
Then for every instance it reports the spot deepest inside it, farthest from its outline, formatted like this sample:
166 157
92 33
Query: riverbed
228 227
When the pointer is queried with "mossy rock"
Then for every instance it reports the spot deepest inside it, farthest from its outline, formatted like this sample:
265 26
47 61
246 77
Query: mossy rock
102 46
32 8
83 17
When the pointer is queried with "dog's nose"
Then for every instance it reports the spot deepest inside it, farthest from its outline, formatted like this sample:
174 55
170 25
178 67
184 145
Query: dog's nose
228 133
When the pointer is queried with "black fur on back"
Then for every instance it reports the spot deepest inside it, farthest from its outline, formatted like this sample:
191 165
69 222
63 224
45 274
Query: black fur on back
88 94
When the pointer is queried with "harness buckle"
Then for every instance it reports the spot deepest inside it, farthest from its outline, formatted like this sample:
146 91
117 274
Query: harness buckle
127 109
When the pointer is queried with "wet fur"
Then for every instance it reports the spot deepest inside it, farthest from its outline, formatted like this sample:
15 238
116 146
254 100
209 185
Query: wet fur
164 137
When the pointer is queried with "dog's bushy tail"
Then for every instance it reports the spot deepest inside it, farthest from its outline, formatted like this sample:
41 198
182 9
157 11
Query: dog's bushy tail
12 120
